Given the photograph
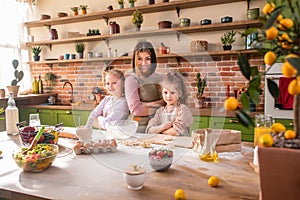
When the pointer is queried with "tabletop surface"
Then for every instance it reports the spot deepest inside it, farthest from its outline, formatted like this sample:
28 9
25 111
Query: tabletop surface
100 176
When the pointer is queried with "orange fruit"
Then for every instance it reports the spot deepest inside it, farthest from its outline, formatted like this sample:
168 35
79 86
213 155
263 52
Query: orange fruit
271 33
294 87
270 58
278 127
285 37
266 140
279 17
231 103
286 23
268 8
288 70
213 181
179 194
289 134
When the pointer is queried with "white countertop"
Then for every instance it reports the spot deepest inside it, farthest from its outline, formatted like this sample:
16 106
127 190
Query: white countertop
100 176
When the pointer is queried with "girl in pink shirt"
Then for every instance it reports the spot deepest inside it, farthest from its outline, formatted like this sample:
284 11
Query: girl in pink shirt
114 106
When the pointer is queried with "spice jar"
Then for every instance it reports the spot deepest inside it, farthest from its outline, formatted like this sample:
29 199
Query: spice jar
114 27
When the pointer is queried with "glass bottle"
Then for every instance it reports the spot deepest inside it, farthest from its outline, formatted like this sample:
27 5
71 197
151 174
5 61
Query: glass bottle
40 85
35 86
262 125
208 152
11 116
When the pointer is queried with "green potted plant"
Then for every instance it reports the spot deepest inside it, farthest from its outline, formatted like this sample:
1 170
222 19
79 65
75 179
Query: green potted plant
137 19
14 88
83 9
36 50
121 4
75 10
201 85
227 39
131 3
79 47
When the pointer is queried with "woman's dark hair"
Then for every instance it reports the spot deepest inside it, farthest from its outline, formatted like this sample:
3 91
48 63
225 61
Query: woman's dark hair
145 47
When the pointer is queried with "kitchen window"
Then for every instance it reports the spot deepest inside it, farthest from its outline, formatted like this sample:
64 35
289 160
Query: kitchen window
12 34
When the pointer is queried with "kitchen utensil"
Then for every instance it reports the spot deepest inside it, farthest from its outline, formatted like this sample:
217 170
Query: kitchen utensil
35 140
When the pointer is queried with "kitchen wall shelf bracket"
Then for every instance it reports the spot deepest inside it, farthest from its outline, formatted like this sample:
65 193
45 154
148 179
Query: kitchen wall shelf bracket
49 46
106 19
106 42
178 34
178 11
178 60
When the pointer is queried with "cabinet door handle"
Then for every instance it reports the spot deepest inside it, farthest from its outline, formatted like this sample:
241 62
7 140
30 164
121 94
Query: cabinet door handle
38 110
234 121
68 112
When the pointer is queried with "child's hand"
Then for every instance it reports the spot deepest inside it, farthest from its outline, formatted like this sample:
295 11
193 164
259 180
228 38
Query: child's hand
167 126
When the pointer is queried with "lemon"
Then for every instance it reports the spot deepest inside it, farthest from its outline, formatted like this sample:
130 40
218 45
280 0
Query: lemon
213 181
179 194
294 87
268 8
270 58
231 103
266 140
278 127
289 134
288 70
271 33
287 23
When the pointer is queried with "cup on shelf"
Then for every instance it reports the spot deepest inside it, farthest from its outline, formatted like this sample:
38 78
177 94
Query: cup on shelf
67 56
73 56
60 57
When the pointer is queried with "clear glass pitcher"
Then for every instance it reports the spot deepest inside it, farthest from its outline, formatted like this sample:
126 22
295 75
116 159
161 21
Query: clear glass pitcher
262 125
208 152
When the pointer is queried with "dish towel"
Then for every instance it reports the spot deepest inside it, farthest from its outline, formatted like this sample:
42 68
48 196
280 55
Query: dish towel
285 98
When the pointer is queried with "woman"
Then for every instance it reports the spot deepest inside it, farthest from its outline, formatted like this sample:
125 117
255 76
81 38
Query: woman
113 107
142 89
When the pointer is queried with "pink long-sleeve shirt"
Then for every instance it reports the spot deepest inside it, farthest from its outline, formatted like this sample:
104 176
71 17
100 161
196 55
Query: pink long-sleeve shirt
132 95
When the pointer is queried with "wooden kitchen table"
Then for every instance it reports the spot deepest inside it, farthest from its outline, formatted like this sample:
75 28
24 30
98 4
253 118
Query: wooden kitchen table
100 176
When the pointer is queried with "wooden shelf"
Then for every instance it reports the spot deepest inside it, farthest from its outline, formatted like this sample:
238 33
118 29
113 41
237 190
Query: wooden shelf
159 7
190 29
172 55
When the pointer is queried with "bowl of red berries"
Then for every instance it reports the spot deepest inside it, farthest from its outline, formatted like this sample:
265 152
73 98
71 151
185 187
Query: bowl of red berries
161 159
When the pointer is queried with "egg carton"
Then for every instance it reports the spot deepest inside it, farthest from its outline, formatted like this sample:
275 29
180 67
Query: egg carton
94 147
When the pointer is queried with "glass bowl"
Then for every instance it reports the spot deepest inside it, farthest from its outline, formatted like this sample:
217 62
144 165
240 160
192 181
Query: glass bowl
37 160
161 159
122 129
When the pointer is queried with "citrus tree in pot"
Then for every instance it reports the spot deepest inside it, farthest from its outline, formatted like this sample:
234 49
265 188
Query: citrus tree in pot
279 40
228 39
36 50
14 88
201 85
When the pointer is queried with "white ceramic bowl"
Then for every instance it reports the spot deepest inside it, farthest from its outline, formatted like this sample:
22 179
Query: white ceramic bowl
135 181
84 134
122 129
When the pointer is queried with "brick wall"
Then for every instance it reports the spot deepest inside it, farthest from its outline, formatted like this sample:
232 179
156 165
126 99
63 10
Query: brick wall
220 70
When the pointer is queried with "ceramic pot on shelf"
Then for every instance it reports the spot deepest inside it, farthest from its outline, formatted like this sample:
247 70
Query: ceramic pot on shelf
114 28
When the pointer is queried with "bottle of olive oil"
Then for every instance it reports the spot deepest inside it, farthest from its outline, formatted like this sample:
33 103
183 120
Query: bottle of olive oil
35 86
40 85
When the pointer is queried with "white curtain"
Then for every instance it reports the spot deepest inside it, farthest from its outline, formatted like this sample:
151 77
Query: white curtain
12 46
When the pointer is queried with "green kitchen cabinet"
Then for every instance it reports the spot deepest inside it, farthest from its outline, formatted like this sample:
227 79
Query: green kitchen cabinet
234 124
46 115
71 118
199 123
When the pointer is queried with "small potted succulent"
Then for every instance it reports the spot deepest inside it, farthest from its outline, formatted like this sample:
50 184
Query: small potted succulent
36 50
201 84
121 4
79 47
137 19
14 88
75 10
227 39
131 3
83 9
